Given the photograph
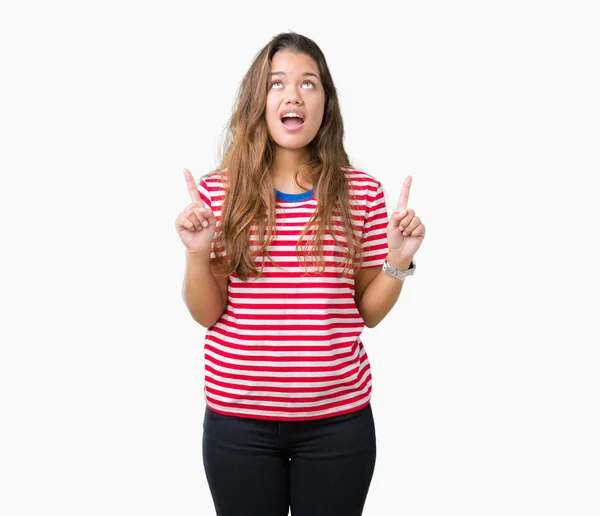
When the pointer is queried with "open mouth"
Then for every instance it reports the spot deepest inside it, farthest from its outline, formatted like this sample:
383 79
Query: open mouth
292 122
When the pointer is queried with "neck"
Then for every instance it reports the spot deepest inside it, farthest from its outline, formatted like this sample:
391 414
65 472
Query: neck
285 163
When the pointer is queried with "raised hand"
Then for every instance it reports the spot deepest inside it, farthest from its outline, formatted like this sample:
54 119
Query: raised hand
405 231
196 224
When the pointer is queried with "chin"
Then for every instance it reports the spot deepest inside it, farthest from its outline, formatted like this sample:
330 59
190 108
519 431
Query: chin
292 145
292 142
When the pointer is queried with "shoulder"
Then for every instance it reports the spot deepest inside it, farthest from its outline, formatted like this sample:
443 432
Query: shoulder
214 183
364 188
360 181
214 180
212 189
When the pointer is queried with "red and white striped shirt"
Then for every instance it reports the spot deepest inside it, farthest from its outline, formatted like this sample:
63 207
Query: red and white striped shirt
288 346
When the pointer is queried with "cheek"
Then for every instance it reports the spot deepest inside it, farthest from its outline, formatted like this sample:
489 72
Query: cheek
273 102
317 112
271 111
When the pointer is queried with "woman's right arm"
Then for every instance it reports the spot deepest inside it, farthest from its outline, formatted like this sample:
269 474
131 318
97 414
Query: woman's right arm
205 294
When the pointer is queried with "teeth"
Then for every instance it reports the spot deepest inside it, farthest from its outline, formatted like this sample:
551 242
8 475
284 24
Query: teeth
290 115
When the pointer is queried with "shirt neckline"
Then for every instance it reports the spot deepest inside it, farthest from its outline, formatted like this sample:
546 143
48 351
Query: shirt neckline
304 196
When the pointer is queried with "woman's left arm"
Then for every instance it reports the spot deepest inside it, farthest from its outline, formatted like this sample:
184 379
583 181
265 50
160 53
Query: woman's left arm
375 291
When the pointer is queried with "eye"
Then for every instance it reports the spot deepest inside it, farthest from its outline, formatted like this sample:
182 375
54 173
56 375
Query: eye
309 83
275 83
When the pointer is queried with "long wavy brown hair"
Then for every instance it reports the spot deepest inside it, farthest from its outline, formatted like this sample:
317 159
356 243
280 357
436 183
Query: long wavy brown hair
249 203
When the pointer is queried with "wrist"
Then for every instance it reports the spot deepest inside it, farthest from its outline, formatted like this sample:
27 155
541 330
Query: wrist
399 262
197 256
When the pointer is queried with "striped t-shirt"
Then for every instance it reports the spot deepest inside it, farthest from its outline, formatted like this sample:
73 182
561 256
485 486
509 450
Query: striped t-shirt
287 346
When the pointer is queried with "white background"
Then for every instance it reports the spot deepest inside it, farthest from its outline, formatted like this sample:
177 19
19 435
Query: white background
486 384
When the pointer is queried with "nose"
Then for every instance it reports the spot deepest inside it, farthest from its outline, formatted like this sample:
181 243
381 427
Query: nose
293 97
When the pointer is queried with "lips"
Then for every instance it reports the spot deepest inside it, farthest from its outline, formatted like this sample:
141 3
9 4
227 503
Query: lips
293 123
296 112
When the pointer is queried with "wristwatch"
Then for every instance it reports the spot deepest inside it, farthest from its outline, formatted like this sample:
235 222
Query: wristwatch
397 273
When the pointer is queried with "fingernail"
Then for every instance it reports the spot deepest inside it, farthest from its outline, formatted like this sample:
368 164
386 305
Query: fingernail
403 212
205 224
400 228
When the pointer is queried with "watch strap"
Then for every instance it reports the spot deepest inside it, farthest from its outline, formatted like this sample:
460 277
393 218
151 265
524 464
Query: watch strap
397 273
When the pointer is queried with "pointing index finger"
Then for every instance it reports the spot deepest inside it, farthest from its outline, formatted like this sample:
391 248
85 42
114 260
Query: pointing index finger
192 186
403 201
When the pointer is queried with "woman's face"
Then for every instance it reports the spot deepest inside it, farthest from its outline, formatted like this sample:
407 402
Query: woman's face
295 100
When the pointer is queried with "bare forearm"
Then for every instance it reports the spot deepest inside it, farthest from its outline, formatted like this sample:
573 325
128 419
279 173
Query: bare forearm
201 291
381 295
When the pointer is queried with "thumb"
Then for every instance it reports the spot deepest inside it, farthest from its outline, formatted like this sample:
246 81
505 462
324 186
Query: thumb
395 219
208 214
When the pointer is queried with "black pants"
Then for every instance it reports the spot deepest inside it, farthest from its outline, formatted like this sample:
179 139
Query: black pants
262 468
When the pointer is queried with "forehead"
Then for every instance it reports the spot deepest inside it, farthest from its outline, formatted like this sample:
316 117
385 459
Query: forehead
290 62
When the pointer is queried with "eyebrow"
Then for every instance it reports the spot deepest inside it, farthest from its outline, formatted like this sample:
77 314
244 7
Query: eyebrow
305 74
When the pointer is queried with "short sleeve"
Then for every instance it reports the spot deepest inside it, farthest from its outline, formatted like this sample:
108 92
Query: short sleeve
374 246
204 193
207 200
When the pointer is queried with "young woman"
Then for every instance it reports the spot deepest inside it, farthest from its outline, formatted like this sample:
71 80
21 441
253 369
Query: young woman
289 255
